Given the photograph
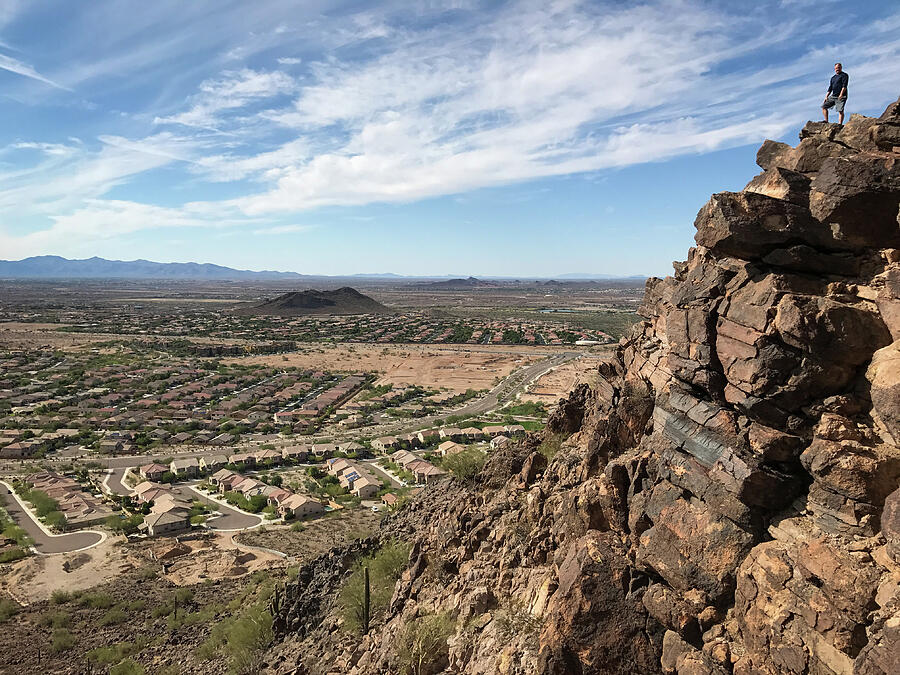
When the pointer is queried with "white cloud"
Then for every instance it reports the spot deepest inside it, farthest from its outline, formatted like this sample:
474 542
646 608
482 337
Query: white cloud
19 68
235 89
417 100
104 219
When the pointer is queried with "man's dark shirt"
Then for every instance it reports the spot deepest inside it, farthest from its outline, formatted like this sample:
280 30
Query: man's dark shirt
838 82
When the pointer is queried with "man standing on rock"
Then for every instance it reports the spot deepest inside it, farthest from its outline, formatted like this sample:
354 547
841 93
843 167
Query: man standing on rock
836 96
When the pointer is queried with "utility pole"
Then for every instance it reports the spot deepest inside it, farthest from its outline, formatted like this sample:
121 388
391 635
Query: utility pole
366 600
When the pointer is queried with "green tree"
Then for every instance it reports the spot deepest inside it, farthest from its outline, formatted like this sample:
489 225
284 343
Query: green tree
465 465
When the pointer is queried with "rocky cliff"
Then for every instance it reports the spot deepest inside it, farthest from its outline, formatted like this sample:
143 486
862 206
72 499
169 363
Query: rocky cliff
724 499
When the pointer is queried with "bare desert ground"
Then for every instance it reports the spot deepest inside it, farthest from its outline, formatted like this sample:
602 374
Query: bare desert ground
35 578
452 367
557 383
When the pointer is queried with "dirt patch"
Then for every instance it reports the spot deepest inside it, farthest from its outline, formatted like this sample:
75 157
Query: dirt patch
314 536
35 578
557 383
453 367
213 558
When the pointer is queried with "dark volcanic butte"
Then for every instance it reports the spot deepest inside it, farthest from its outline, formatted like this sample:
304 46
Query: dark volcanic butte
725 499
305 303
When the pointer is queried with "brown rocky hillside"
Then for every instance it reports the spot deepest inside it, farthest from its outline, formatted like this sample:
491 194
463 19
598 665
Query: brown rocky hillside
725 500
344 300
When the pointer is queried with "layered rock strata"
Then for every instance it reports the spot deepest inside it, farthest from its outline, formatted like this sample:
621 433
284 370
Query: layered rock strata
726 496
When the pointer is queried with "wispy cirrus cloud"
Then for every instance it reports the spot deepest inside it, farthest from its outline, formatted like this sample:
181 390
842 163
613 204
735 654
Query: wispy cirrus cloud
234 90
271 111
12 65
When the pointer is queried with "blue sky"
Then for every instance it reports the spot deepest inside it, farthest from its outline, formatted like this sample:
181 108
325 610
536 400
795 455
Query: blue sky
529 138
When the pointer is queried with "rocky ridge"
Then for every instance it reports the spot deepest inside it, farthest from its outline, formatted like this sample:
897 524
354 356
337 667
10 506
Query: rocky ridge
344 300
725 499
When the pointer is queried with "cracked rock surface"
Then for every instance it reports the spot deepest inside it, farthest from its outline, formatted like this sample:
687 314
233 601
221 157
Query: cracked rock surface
726 496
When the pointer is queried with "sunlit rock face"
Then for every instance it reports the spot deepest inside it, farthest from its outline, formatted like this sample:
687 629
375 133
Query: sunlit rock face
727 495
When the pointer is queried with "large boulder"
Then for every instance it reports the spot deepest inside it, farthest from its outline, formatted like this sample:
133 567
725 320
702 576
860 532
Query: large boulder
857 198
781 183
802 604
594 624
884 377
691 545
749 225
890 524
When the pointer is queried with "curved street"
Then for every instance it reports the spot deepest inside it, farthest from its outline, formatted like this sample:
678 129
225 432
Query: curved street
43 542
231 518
114 483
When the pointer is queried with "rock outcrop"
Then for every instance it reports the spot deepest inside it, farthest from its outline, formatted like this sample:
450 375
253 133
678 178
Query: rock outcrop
725 499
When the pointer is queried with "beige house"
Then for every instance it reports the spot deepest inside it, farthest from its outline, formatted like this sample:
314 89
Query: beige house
386 443
366 488
152 472
213 463
450 448
164 522
189 467
300 506
499 441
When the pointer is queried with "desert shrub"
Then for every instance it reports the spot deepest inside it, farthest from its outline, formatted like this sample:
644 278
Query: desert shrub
551 445
246 639
422 647
55 520
55 619
96 600
514 620
8 609
385 567
161 610
12 555
113 617
137 605
184 596
105 656
16 533
61 641
147 573
465 465
127 667
60 597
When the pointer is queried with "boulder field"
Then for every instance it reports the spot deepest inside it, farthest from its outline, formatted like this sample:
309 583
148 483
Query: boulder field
722 499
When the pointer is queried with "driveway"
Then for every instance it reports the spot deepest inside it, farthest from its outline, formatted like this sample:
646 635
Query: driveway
231 518
43 542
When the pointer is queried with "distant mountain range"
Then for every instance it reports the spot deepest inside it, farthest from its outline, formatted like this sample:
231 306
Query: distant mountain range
303 303
55 267
456 284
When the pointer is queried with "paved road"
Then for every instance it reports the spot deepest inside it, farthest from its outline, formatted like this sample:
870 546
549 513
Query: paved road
231 519
116 485
43 542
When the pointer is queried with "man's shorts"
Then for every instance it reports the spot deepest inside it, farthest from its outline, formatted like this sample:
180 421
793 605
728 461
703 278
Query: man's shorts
834 102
